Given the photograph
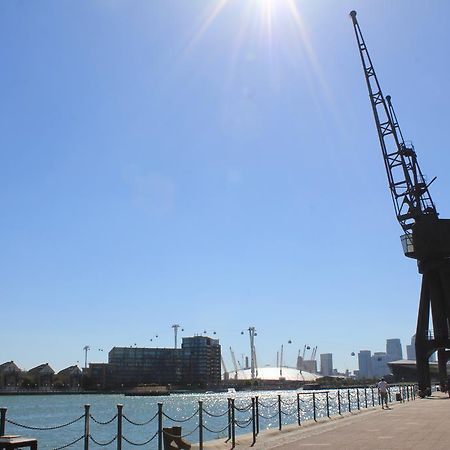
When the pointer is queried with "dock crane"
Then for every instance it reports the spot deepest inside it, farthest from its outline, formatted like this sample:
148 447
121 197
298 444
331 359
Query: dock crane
426 237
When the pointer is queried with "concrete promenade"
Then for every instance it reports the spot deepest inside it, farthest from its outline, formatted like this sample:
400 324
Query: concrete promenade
420 424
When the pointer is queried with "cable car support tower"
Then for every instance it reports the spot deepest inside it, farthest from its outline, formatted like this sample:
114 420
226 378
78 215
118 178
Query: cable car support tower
426 237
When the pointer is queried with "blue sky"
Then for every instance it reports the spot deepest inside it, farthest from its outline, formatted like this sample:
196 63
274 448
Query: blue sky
213 164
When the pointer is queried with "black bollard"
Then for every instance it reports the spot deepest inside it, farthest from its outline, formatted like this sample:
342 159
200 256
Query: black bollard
328 405
257 414
200 424
160 426
229 419
254 420
299 411
349 401
279 412
2 421
86 426
314 407
339 402
119 427
233 425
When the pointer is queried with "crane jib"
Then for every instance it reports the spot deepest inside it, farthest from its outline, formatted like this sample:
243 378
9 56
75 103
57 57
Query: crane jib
409 190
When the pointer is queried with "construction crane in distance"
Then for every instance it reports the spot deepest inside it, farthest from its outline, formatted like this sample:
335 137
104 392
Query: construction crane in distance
426 237
281 361
224 367
253 363
233 358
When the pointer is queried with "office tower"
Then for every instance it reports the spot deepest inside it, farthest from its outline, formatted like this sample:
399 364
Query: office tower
394 350
379 364
365 364
411 349
326 364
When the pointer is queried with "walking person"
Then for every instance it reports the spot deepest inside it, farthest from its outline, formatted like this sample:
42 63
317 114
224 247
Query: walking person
383 392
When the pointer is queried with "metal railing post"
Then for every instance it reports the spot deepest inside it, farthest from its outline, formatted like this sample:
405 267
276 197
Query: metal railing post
314 407
86 426
389 393
2 421
365 397
328 405
299 411
233 425
200 424
357 399
349 401
229 418
160 426
257 414
339 402
279 411
119 426
373 397
254 420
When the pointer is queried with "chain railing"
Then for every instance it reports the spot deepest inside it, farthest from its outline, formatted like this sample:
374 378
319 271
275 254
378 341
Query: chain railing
303 406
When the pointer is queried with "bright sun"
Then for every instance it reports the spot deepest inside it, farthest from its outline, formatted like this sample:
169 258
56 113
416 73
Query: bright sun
276 24
262 13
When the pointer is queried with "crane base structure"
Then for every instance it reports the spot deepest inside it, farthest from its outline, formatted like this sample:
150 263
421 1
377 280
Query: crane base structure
434 295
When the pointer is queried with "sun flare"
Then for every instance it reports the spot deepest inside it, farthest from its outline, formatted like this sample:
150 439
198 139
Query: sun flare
277 28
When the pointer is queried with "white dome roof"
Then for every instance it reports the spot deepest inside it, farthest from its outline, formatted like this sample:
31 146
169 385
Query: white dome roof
273 374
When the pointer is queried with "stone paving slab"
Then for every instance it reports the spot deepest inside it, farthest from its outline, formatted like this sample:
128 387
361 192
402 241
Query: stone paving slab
422 424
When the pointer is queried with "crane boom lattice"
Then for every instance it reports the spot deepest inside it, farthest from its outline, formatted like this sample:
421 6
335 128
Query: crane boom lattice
407 184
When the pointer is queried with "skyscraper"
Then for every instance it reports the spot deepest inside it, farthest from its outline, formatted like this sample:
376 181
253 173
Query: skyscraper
394 350
411 349
379 364
326 364
365 364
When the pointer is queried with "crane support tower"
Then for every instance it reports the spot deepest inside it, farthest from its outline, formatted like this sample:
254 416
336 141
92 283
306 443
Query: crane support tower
426 237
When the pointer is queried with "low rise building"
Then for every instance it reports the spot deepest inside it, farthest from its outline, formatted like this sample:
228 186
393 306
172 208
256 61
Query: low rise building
41 376
9 375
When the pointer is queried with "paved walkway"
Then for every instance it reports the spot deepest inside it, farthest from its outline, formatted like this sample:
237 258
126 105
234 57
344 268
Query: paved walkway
422 424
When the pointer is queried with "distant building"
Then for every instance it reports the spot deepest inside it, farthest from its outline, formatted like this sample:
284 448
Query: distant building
9 375
41 376
326 364
200 360
70 377
380 364
365 364
131 366
310 365
411 349
394 350
197 362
